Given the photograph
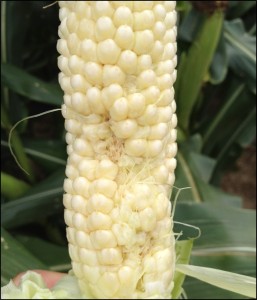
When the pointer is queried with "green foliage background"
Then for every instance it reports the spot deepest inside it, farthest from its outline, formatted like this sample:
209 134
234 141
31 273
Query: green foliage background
216 107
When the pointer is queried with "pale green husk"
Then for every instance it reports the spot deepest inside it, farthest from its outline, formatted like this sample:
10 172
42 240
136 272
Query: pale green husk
32 286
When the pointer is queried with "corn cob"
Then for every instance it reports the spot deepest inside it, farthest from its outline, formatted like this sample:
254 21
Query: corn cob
117 62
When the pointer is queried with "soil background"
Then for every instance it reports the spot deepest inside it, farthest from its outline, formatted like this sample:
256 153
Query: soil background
241 181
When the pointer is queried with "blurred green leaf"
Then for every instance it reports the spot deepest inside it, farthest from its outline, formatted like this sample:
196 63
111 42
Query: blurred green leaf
240 8
241 284
29 86
195 64
241 49
12 187
15 258
59 259
42 200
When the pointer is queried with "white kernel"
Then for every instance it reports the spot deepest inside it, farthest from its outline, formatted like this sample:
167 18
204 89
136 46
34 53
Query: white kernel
88 50
171 164
170 19
82 9
125 275
169 51
103 186
67 201
143 20
103 239
80 104
170 5
108 52
174 120
80 222
159 30
76 267
75 64
83 239
65 83
62 63
81 186
71 171
149 116
86 29
164 114
71 235
79 204
128 61
63 32
108 283
110 256
123 233
166 66
68 186
158 131
113 74
88 257
122 16
93 73
91 273
79 83
172 150
148 219
68 214
73 252
165 81
128 4
171 179
161 174
159 12
157 51
124 129
143 5
124 37
135 147
63 13
98 220
166 98
104 29
160 206
173 135
146 79
69 138
151 94
98 202
107 169
73 43
144 41
144 63
87 168
83 147
119 109
110 94
149 264
154 148
101 8
136 105
94 98
62 47
72 22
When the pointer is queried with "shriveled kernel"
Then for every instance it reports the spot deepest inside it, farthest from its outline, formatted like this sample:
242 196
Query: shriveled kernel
104 29
94 98
135 147
112 75
123 16
108 52
83 147
88 257
143 20
144 41
81 186
148 219
128 61
124 129
110 256
103 186
98 220
124 37
123 233
136 105
107 169
103 239
98 202
93 73
87 168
